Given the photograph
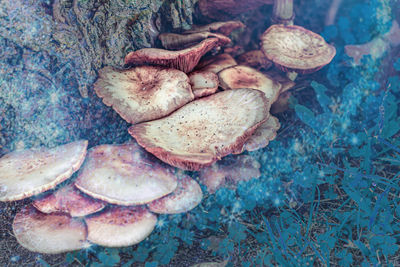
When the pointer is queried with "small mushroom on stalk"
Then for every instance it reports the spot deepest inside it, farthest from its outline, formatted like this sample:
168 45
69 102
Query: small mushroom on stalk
294 48
184 60
203 83
48 233
124 175
33 171
120 226
205 130
174 41
143 93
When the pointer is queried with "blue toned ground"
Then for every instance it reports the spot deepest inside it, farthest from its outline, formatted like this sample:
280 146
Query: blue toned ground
329 190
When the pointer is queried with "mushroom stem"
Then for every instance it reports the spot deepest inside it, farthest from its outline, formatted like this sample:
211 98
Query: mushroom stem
283 12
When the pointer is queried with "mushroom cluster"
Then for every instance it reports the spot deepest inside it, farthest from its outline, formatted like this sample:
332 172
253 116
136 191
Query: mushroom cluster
190 111
113 202
187 110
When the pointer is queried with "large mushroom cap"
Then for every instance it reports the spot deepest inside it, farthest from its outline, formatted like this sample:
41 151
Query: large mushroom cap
186 196
143 93
265 133
69 200
120 226
245 77
121 174
296 48
204 130
30 172
184 60
48 233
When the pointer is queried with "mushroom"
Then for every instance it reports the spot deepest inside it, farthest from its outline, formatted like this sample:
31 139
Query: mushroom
184 60
265 133
203 83
176 41
245 77
229 171
143 93
33 171
205 130
124 175
283 12
120 226
255 59
286 83
185 197
216 63
48 233
68 200
223 27
282 103
294 48
376 47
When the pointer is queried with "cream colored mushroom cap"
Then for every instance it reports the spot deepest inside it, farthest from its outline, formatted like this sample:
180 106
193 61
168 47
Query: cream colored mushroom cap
205 130
143 93
48 233
120 226
122 175
30 172
296 48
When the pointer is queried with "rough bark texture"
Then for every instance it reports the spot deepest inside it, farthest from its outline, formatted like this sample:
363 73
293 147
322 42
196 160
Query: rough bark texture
50 52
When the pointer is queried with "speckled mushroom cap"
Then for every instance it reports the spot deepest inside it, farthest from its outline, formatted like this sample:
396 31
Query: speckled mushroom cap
185 197
294 48
265 133
33 171
48 233
184 60
143 93
245 77
123 175
70 200
120 226
204 130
